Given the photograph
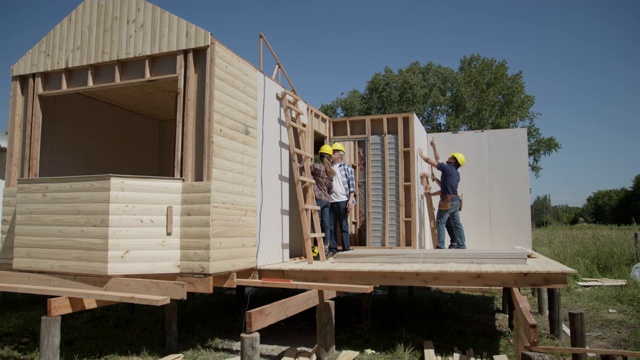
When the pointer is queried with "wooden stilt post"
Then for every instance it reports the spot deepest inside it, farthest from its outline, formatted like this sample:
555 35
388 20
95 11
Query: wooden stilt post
506 294
326 331
171 326
367 300
555 313
50 337
578 335
250 346
543 304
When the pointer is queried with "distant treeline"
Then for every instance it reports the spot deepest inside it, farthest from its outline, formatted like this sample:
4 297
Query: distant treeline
610 207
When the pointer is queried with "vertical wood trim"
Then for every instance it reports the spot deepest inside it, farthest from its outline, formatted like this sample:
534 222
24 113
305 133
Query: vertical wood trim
402 188
30 93
117 70
64 79
90 73
36 129
369 186
15 133
169 220
387 196
177 158
189 114
147 70
208 114
413 175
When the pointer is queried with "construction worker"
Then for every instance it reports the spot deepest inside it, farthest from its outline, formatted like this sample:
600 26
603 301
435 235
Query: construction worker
453 243
449 205
342 199
323 174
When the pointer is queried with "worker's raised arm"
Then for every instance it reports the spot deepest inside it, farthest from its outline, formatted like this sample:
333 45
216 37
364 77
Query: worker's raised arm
435 151
426 159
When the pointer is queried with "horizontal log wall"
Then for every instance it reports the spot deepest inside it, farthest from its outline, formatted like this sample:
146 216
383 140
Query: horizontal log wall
234 162
97 225
8 228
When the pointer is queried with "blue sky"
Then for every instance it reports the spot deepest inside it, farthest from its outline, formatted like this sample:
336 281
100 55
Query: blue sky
580 59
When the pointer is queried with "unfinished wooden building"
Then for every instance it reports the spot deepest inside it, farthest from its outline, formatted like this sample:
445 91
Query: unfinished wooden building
141 149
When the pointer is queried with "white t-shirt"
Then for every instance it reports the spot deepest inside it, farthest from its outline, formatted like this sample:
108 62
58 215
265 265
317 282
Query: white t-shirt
339 190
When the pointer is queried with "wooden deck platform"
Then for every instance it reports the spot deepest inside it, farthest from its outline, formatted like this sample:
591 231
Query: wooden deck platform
427 268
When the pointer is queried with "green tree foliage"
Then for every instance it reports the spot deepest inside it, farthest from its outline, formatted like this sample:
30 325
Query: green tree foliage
480 95
601 206
541 211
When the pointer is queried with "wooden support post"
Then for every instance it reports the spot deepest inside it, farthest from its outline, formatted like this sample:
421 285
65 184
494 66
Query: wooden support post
506 294
326 331
367 300
578 334
543 304
171 326
250 346
555 315
507 306
241 301
50 337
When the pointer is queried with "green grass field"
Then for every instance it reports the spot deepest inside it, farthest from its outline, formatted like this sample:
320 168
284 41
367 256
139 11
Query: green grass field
401 318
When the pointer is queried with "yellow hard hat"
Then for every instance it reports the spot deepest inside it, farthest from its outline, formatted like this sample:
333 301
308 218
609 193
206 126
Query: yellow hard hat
338 147
459 157
326 149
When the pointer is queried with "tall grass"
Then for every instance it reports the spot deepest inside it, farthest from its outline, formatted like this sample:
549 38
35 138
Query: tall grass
598 251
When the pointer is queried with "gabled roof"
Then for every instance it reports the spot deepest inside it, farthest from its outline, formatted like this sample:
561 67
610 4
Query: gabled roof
107 30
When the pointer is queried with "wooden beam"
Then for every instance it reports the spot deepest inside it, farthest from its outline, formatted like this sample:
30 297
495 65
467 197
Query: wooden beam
177 157
166 288
525 319
189 126
16 123
113 85
305 285
575 350
36 130
264 316
91 294
418 278
67 305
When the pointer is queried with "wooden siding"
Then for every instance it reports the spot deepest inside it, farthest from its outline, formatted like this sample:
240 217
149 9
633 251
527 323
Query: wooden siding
100 31
234 166
8 228
97 225
195 245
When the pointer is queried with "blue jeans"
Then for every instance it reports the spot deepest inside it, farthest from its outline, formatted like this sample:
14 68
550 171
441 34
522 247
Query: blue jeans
323 214
441 222
339 216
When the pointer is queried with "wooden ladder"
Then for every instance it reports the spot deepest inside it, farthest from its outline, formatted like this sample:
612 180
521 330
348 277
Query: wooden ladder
301 160
424 177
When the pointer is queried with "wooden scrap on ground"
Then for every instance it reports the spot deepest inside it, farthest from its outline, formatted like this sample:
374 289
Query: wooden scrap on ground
429 350
602 282
348 355
290 354
173 357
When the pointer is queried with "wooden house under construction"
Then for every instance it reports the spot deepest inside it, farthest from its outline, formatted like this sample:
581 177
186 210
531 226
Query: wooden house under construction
141 146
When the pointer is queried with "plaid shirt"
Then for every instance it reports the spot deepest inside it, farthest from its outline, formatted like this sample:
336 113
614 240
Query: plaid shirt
348 178
324 184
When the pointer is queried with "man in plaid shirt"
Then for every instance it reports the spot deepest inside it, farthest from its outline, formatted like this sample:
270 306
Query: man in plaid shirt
342 199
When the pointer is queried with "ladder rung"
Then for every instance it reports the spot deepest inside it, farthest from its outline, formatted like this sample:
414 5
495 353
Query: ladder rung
311 207
294 124
303 153
307 179
316 235
293 106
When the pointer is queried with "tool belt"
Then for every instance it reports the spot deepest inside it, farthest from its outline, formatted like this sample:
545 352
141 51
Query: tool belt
445 201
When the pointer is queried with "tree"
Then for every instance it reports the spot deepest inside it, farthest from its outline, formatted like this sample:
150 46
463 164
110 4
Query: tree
601 206
480 95
541 211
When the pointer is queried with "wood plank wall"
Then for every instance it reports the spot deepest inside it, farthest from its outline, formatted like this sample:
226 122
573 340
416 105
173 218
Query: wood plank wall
8 228
234 162
97 225
100 31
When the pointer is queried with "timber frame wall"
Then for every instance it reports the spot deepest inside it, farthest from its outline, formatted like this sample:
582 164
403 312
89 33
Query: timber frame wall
395 169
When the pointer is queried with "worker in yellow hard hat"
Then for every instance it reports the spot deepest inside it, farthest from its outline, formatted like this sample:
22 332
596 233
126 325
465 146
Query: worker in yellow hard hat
449 205
323 175
342 199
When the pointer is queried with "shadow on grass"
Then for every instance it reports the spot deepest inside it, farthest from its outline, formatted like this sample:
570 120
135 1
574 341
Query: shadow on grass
399 315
